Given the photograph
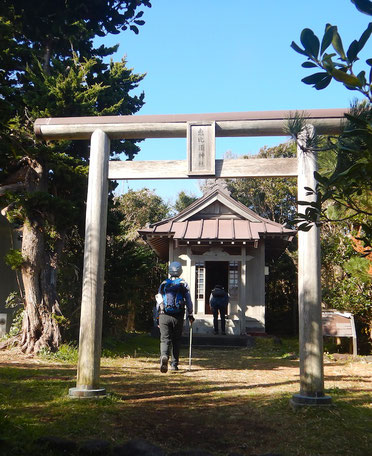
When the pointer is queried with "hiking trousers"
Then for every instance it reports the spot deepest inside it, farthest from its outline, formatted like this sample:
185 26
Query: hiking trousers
222 311
170 336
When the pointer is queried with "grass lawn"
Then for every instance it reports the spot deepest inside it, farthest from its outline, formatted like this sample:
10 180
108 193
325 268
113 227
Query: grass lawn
232 401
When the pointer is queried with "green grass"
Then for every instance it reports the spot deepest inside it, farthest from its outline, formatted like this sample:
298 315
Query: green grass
132 344
233 401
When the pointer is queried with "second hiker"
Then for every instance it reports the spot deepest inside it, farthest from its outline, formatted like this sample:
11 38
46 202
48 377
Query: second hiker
218 301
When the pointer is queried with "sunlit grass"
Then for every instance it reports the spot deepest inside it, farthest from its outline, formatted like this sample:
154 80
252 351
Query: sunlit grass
232 401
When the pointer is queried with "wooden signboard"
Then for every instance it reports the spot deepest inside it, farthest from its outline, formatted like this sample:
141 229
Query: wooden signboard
201 148
339 324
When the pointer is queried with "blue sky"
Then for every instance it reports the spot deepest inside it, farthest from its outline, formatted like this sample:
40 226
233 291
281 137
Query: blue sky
218 56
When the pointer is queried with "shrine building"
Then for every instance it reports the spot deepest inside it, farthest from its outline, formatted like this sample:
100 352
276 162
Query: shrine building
221 241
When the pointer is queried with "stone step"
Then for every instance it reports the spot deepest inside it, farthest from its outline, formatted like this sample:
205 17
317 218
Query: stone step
202 340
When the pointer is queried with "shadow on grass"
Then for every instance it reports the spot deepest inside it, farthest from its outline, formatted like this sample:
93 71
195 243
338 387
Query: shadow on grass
214 419
233 413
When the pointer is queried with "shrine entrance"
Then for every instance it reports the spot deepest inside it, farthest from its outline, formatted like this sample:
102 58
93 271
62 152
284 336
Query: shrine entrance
216 273
200 131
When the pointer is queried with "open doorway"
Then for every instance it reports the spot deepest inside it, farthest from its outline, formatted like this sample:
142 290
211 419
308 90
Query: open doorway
217 273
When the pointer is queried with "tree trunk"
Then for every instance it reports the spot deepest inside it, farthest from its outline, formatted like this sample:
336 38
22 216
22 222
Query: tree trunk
40 328
131 316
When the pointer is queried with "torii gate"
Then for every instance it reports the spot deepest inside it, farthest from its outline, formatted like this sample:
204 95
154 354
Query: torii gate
200 130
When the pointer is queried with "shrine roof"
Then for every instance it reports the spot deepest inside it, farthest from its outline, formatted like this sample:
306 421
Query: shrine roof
217 230
215 217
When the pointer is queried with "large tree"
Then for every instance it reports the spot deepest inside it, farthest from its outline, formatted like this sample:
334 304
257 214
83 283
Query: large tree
49 66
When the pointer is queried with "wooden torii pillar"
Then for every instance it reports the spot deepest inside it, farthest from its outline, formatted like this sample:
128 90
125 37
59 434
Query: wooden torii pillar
100 130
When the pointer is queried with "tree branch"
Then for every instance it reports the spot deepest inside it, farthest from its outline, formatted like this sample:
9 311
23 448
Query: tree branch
11 188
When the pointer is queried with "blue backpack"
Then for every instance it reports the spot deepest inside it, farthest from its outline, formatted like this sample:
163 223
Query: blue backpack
173 293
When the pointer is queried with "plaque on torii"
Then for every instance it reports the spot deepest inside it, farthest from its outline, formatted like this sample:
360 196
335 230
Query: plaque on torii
201 148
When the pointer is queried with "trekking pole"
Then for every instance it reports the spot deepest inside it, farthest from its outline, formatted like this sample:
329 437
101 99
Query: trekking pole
190 347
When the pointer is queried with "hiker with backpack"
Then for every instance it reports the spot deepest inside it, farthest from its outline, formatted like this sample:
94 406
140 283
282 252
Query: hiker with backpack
218 301
172 299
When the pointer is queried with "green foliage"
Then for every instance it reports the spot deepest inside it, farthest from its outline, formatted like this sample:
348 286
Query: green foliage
183 201
339 65
281 294
358 267
273 347
275 199
14 259
133 271
140 208
346 283
348 186
15 302
130 345
66 353
50 67
272 198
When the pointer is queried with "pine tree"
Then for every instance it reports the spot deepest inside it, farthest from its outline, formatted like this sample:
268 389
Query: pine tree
49 67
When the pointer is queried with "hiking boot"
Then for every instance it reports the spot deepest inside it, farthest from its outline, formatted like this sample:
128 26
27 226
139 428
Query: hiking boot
174 368
164 364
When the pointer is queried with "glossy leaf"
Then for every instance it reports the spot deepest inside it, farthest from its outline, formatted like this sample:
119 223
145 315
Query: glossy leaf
314 78
362 78
310 42
304 227
298 49
324 83
352 52
345 78
327 38
337 44
327 62
365 36
323 180
364 6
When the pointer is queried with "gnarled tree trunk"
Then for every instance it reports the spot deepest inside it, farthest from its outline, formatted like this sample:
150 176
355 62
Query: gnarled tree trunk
40 328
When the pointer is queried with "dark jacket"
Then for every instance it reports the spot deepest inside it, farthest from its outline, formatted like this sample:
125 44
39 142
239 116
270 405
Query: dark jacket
219 299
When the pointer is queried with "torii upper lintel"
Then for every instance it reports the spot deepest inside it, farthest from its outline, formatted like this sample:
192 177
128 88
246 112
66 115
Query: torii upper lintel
251 123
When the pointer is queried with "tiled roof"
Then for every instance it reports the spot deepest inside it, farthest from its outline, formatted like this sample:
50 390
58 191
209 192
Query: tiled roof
237 224
217 230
